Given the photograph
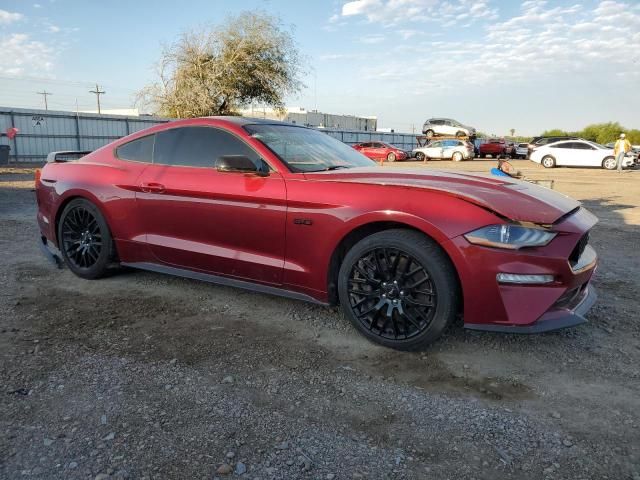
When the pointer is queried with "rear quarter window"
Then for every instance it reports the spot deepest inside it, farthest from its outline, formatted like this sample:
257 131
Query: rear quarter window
139 150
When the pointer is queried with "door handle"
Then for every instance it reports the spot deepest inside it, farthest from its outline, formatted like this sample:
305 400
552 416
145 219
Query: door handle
152 187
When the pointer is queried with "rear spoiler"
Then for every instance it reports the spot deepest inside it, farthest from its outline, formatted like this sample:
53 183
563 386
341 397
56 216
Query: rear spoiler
66 156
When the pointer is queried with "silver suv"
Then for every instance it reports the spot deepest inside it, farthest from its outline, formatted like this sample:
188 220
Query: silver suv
447 127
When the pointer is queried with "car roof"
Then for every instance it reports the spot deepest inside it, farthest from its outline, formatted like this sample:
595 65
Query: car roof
241 121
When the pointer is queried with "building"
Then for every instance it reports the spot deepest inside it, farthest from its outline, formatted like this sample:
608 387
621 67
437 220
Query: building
313 118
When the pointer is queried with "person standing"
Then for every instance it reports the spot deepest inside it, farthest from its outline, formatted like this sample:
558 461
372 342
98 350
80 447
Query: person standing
620 149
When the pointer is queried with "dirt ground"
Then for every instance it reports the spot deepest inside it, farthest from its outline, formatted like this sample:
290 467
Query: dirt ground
148 376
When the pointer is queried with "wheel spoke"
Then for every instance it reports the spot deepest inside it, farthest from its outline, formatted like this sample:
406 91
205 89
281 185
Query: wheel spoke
394 264
417 282
419 303
373 293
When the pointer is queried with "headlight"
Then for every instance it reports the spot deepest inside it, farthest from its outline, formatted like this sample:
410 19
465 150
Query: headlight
510 236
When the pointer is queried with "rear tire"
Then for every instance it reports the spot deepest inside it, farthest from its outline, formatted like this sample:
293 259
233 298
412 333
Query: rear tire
548 162
429 133
84 238
399 289
609 163
456 157
460 134
421 157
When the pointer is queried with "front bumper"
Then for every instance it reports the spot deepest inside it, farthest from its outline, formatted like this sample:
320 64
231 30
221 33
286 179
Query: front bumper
496 305
556 319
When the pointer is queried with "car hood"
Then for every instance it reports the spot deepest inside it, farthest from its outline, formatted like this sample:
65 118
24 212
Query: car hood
514 199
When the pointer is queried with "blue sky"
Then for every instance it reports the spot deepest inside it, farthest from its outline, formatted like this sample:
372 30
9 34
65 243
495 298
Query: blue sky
495 65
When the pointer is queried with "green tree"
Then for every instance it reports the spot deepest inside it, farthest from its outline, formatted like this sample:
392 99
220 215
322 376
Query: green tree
217 70
554 132
634 136
602 132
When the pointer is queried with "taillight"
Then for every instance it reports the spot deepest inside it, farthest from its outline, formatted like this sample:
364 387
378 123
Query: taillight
37 175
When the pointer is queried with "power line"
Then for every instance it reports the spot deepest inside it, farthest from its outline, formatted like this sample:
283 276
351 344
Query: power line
98 92
45 94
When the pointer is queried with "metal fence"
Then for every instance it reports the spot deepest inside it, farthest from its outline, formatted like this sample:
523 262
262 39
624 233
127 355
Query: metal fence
44 131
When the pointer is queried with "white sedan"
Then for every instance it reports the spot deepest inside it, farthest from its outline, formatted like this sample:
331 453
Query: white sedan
456 150
576 153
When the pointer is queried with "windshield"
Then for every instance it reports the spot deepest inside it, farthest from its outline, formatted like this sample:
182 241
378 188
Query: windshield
307 150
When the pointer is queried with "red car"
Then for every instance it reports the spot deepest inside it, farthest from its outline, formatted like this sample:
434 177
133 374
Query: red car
496 147
381 151
284 209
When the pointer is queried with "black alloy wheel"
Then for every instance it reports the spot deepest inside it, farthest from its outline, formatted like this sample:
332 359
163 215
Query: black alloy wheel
420 157
84 239
398 288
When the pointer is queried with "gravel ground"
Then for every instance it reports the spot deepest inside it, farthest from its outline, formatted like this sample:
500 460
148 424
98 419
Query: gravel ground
147 376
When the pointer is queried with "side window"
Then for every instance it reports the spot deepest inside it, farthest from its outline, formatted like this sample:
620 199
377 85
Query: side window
582 146
561 145
436 145
140 150
198 147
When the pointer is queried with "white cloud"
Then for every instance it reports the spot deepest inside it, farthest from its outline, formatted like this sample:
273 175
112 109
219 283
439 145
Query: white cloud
22 55
53 28
541 43
394 12
37 5
9 17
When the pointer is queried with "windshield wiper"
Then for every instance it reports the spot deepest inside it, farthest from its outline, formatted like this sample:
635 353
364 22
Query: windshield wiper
335 167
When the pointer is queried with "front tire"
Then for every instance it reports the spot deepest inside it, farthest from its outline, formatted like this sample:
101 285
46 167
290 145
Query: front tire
429 133
421 157
391 157
456 157
85 240
399 289
548 162
460 134
609 163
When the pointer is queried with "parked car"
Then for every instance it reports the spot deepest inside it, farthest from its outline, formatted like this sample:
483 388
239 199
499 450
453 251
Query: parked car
381 151
455 150
284 209
576 153
496 147
633 154
521 150
540 141
447 127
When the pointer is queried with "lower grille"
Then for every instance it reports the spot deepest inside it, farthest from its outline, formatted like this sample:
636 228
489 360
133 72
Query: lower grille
571 297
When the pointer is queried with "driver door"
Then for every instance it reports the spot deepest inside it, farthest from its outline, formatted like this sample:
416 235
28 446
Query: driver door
197 217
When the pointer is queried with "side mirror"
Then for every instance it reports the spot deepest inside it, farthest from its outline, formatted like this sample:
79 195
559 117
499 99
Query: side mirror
238 164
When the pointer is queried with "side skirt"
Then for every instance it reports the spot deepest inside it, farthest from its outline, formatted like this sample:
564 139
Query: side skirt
228 282
50 252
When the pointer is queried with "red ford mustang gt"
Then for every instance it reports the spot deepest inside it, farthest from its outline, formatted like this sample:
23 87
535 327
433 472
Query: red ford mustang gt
288 210
381 151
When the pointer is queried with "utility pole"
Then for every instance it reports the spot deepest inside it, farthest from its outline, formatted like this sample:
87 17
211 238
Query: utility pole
97 93
44 93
